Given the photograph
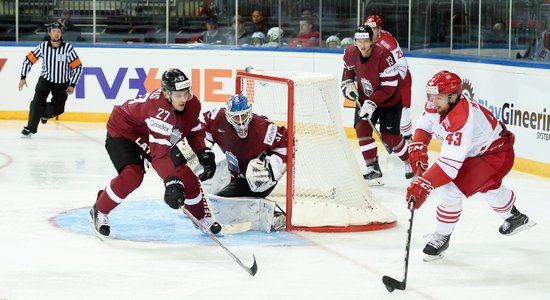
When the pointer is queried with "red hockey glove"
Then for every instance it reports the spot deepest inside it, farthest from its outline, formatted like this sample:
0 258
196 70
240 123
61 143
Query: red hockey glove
418 157
420 188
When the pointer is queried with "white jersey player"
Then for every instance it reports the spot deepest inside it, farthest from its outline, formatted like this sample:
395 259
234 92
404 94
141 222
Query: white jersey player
476 153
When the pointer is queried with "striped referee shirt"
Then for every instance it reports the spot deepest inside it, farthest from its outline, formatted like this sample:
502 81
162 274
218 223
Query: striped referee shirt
59 65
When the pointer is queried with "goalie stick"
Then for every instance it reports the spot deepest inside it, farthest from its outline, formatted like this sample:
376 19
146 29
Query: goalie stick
391 283
388 148
252 270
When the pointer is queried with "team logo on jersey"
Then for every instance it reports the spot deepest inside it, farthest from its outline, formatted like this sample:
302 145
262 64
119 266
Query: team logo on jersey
270 134
367 87
159 126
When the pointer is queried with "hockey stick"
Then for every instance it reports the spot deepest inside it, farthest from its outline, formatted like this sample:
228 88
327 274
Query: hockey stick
391 283
388 148
252 270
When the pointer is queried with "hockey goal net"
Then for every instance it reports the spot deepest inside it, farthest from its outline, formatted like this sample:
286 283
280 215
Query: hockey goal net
323 190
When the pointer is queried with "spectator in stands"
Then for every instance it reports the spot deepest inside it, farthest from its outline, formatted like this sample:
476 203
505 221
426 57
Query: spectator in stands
258 23
243 36
212 35
307 37
539 49
66 22
307 12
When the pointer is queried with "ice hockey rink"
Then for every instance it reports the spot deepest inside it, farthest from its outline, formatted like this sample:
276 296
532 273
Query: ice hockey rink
48 251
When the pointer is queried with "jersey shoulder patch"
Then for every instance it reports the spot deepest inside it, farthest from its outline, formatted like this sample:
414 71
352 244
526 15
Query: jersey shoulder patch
457 117
270 134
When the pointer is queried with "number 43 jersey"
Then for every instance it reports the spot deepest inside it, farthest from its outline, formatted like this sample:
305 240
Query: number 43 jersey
467 130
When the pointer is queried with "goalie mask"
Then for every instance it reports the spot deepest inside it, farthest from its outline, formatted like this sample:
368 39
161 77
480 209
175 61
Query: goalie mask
239 114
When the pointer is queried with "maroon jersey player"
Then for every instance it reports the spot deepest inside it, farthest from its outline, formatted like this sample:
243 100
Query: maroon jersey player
254 147
477 151
378 89
386 40
147 128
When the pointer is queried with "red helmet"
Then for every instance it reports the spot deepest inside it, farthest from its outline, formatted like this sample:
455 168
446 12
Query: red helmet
444 82
373 21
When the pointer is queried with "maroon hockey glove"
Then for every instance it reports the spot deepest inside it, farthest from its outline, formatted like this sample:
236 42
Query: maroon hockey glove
418 157
420 188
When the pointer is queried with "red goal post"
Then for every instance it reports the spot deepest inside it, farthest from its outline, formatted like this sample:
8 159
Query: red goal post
323 190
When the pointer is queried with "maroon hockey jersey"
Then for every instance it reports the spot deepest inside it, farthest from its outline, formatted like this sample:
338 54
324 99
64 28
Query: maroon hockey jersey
151 122
376 76
263 136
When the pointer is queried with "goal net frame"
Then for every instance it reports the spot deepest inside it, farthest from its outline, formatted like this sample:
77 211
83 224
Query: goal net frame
243 82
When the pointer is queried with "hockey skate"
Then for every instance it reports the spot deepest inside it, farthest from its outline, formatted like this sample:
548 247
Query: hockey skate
374 175
516 223
99 223
26 133
435 248
408 170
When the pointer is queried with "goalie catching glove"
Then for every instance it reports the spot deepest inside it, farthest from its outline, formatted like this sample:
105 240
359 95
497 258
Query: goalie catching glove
263 172
349 89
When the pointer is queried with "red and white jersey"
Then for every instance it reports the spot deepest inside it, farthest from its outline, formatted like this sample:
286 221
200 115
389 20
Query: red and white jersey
151 122
387 41
468 130
376 76
263 136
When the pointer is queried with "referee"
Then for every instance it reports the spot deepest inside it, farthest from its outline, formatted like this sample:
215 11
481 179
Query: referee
61 69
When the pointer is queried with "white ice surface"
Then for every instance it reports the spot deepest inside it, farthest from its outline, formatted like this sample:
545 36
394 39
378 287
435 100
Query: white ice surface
62 167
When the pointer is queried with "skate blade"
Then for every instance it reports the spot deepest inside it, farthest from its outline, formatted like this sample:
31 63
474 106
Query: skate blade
522 227
375 182
429 258
100 236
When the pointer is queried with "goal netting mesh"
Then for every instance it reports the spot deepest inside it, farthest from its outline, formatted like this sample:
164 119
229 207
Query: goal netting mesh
323 189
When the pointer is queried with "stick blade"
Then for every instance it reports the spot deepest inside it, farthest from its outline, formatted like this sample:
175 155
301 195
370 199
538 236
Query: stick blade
392 284
252 270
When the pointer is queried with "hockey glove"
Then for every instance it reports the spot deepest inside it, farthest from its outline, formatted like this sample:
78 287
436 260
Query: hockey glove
349 89
418 156
367 109
420 188
208 161
173 193
277 167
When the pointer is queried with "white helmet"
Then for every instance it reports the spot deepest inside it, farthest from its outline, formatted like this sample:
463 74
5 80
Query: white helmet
346 42
258 38
333 42
274 33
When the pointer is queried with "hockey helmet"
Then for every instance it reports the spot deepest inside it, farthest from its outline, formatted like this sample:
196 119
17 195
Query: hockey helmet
274 34
239 114
444 82
258 38
333 42
373 21
346 42
175 80
363 32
